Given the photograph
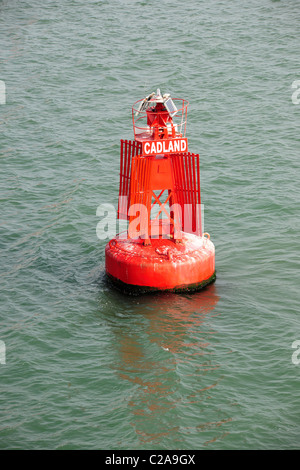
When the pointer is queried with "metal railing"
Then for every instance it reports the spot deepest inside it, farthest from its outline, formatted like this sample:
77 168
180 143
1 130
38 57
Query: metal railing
149 124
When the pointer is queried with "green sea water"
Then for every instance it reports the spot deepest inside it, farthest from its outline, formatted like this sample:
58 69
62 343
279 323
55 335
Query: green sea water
81 365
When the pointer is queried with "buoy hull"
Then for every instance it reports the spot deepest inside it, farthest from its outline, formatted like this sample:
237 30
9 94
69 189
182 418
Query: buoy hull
162 266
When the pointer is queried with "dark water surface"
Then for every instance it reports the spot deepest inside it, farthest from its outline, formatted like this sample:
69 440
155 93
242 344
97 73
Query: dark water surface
85 366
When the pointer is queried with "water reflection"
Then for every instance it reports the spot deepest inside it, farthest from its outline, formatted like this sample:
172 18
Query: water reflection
167 362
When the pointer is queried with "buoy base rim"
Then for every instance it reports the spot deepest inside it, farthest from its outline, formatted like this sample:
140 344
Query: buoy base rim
136 290
161 266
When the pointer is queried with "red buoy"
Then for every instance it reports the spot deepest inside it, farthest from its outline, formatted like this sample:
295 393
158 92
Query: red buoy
164 248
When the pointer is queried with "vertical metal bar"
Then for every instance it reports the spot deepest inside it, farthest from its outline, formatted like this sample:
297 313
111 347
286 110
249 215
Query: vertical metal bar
128 165
141 192
126 172
136 170
142 195
179 176
191 207
121 168
129 173
125 166
180 186
189 181
177 161
195 229
199 194
140 180
120 180
148 195
133 182
178 190
191 198
186 192
132 193
194 193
